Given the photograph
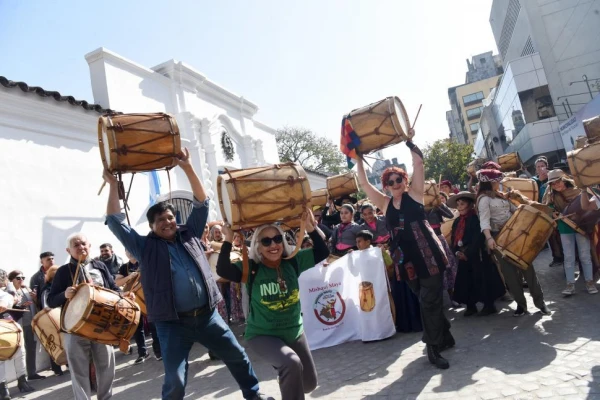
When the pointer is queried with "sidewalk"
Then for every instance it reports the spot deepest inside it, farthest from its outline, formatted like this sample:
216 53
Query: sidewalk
496 357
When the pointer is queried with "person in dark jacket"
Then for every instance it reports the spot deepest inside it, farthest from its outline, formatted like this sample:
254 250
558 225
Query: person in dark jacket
112 261
78 348
180 291
37 281
476 280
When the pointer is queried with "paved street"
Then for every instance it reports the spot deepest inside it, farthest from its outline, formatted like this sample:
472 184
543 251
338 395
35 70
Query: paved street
532 357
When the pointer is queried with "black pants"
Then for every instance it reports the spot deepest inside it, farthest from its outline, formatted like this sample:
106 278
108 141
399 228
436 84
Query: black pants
140 339
430 292
29 350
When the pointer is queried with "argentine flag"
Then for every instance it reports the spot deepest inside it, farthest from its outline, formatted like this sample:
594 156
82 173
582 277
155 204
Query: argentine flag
154 182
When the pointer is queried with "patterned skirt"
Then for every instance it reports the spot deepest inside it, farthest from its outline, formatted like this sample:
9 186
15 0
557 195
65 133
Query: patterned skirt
230 308
451 268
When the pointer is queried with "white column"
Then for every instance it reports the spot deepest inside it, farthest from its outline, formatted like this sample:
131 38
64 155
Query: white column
210 170
258 149
249 154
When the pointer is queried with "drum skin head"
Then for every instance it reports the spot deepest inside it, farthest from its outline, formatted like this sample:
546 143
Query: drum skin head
76 307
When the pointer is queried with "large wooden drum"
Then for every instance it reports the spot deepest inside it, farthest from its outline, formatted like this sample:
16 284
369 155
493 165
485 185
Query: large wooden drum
138 142
100 315
527 187
135 286
473 166
256 196
585 164
592 129
524 235
11 335
342 185
580 142
446 227
431 197
380 124
510 162
319 198
46 325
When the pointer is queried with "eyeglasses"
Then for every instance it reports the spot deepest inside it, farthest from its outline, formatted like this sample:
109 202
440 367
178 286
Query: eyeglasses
266 241
20 278
398 181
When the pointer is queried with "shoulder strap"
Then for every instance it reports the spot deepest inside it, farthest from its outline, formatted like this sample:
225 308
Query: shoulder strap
251 276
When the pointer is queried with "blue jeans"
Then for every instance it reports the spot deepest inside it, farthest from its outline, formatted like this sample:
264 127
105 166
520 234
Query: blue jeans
176 340
585 256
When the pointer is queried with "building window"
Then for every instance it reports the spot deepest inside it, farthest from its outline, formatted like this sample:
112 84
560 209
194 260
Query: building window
474 128
482 60
474 113
528 49
514 8
472 98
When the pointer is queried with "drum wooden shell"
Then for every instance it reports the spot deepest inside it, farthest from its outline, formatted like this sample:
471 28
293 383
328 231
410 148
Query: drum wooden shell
138 142
527 187
100 315
366 296
46 325
446 227
580 142
135 286
342 185
510 162
473 166
524 235
581 220
11 335
319 198
380 124
585 164
256 196
592 128
431 197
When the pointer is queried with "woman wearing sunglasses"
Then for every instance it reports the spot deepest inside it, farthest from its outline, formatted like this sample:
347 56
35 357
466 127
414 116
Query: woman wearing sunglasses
415 248
274 327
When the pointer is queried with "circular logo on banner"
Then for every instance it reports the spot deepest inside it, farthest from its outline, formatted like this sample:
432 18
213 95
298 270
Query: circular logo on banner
329 307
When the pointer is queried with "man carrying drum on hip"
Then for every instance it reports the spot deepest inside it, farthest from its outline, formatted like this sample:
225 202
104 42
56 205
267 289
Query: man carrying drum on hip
78 348
173 254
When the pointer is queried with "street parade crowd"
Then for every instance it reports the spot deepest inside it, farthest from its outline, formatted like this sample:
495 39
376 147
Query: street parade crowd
186 283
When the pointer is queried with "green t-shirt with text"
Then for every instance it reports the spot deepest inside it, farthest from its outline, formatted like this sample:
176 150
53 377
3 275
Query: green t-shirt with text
272 312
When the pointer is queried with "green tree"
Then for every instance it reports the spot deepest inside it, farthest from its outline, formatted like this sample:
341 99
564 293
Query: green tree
315 153
449 159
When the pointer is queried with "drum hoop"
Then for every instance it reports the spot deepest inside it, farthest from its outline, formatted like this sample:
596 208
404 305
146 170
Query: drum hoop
513 258
86 312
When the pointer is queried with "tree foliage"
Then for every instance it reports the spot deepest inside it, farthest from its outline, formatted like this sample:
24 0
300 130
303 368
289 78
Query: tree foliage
449 159
301 145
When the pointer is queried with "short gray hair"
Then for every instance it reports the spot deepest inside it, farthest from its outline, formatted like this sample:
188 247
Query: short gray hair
255 255
73 236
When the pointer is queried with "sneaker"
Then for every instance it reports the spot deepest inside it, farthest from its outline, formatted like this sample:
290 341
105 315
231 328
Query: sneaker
141 359
519 312
545 310
591 287
570 290
556 264
158 357
35 376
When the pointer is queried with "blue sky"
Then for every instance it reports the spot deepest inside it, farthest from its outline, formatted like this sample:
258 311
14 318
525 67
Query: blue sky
305 63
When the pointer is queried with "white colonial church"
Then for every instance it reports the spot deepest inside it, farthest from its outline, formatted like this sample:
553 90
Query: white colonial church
51 165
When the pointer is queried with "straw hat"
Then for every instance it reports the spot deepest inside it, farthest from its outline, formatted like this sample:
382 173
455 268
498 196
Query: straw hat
460 195
555 175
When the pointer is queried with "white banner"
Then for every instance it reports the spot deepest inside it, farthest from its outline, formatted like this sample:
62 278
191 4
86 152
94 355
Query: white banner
572 128
346 300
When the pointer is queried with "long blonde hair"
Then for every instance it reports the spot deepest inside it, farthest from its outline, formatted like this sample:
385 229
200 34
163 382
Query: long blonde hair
253 252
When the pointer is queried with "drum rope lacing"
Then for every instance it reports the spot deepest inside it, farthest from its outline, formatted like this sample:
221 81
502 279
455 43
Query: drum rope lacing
523 231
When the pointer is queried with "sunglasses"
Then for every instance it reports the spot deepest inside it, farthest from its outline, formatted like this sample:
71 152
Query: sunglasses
266 241
20 278
398 181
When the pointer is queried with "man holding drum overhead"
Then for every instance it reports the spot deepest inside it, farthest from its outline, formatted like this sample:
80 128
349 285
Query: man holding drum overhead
181 293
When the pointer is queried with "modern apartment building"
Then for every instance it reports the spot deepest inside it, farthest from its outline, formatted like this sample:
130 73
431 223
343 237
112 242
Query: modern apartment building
483 73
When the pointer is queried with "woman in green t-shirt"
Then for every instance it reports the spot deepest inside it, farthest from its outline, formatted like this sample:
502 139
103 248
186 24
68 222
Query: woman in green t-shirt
274 327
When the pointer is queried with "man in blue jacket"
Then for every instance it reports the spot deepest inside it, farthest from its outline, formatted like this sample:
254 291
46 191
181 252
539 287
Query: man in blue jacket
180 291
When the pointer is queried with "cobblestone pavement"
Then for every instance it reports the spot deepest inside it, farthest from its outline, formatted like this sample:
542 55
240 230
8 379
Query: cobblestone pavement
496 357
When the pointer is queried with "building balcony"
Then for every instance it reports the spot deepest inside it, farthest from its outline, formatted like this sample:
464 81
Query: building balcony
537 138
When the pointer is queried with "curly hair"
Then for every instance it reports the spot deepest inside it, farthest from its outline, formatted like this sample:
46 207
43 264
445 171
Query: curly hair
393 171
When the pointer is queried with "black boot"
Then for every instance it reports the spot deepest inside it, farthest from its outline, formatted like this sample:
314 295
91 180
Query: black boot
23 385
435 358
4 394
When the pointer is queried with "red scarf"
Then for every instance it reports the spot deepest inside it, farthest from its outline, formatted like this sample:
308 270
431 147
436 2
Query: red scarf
461 227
